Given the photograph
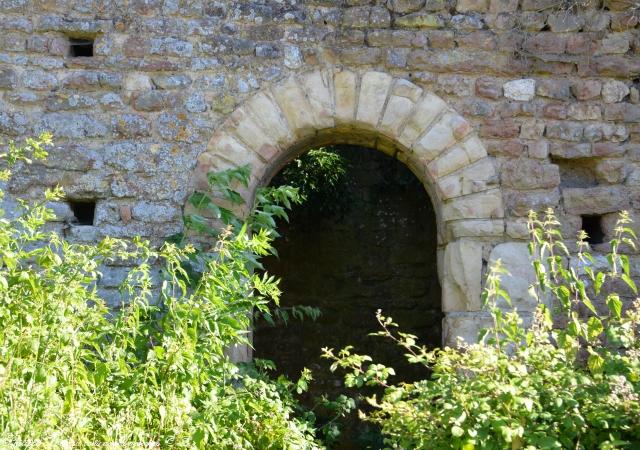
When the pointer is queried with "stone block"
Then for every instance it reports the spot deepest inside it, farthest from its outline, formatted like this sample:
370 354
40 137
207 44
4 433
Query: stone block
8 78
558 89
475 228
245 126
295 107
503 6
584 111
481 205
265 111
562 22
614 91
405 6
155 212
230 148
462 276
586 89
595 200
131 125
614 43
396 113
420 20
463 327
39 80
439 137
137 82
500 128
520 90
516 259
476 177
426 111
317 85
567 131
525 173
610 171
453 159
346 95
538 149
472 5
519 203
374 88
73 126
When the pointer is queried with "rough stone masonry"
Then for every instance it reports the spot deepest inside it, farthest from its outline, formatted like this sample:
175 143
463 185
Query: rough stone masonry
498 107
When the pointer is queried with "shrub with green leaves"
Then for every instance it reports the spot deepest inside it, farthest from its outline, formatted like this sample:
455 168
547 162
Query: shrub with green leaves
74 374
537 387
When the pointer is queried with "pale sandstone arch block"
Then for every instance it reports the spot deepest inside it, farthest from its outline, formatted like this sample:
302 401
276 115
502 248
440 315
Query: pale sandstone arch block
397 111
456 158
295 107
373 96
267 113
475 228
225 145
483 205
474 148
317 86
451 160
434 141
400 106
462 276
427 110
245 127
346 96
406 89
477 177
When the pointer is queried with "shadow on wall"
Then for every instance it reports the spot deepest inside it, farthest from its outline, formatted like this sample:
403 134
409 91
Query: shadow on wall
369 244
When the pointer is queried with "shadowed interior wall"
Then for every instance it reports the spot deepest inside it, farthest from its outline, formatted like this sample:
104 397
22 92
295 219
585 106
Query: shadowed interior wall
375 250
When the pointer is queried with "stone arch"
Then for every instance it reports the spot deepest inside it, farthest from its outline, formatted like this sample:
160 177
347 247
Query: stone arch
374 109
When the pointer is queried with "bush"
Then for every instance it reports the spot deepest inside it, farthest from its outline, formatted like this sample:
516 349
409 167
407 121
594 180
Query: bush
76 374
546 387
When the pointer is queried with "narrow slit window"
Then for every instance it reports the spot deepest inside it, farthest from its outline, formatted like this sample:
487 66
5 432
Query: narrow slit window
83 211
592 225
81 47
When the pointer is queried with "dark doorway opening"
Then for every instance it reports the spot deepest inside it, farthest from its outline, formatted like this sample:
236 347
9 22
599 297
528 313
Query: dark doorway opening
369 244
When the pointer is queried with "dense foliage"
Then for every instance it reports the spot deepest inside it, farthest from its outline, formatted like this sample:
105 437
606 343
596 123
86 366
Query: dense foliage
154 373
320 175
542 387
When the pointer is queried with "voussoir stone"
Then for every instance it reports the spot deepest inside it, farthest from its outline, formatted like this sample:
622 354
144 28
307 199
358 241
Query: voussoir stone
374 88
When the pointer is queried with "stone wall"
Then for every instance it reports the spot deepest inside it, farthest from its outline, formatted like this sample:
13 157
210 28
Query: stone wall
552 95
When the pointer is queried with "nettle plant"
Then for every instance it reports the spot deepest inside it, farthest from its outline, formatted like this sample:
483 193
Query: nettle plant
155 373
574 385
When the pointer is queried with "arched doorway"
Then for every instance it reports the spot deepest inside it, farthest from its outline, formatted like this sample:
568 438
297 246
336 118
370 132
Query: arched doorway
367 243
375 110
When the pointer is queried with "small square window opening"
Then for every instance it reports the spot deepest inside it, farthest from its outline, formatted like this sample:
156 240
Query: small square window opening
83 211
81 47
592 225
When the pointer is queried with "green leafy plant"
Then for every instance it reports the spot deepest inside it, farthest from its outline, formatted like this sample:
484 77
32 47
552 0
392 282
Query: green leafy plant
155 373
320 176
575 386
